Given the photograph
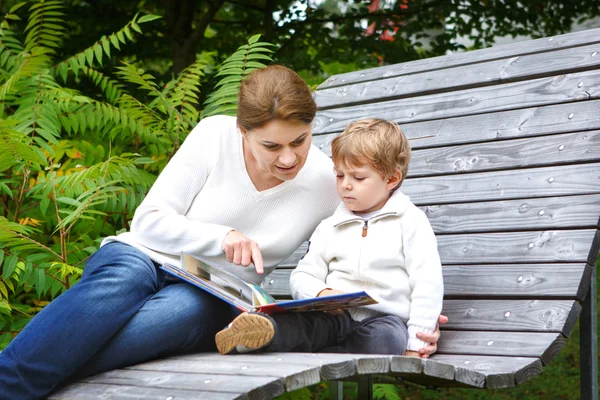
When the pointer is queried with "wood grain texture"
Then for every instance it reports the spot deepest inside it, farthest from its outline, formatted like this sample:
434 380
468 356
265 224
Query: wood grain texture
503 247
92 391
294 376
549 44
505 185
542 151
492 372
503 97
511 124
515 344
409 365
255 387
524 214
488 281
512 315
487 73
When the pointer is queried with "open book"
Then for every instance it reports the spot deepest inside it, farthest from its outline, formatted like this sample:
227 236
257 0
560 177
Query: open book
248 296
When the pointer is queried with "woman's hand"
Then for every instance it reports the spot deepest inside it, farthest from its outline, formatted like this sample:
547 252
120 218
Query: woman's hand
432 338
242 251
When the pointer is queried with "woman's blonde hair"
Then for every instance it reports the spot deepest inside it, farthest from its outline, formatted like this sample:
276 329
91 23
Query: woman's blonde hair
377 142
274 92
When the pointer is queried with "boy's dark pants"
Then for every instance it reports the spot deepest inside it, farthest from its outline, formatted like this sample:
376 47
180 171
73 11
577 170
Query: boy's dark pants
338 333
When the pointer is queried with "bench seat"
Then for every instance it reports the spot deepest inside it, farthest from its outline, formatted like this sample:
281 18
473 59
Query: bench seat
506 165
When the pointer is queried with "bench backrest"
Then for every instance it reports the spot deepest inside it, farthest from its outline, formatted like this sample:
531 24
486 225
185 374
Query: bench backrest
506 165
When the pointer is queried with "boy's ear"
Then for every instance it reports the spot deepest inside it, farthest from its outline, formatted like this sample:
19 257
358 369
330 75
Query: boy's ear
393 180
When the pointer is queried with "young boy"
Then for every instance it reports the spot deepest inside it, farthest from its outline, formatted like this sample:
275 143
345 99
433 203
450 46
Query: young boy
377 241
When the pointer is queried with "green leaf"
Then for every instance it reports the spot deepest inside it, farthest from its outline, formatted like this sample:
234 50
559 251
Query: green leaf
136 27
98 51
115 41
40 281
89 55
105 45
9 266
254 39
16 7
148 18
5 308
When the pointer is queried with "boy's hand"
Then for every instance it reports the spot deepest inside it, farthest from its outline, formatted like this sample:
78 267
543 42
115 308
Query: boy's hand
432 338
329 292
242 251
409 353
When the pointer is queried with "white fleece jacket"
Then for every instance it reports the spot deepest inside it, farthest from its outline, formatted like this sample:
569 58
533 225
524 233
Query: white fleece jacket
204 192
397 263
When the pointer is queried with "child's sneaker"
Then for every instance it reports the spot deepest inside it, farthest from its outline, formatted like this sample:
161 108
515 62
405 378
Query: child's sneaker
250 331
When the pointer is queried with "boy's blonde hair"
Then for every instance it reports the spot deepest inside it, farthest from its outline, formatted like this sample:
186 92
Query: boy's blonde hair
377 142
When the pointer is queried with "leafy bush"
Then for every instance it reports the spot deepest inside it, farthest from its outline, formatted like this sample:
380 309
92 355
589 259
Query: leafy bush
73 165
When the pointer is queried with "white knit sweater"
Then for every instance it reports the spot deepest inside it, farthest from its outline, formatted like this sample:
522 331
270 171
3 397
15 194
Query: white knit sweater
204 192
397 263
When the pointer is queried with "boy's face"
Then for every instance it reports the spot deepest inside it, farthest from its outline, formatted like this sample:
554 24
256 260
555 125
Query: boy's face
362 188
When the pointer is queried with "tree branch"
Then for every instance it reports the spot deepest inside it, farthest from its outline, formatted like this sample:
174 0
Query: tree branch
380 14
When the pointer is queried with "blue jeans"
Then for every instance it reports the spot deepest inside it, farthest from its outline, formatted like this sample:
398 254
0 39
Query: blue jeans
123 311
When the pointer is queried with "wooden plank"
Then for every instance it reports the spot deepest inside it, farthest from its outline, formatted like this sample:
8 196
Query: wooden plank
541 151
487 281
548 44
491 372
293 376
332 366
499 125
505 185
511 247
535 92
256 387
526 214
93 391
508 344
504 247
516 281
513 68
512 315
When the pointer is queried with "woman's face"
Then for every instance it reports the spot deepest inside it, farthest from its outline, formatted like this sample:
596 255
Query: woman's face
279 148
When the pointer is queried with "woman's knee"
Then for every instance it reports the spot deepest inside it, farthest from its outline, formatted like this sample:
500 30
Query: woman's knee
120 261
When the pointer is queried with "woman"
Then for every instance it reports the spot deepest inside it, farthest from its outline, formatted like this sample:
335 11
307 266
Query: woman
246 191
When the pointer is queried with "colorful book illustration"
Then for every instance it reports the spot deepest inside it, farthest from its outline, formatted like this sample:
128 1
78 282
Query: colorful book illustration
248 296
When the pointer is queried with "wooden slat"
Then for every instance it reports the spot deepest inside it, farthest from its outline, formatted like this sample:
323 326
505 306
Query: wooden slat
491 372
511 247
505 185
523 48
332 366
540 213
253 386
512 124
524 280
93 391
488 281
504 247
513 344
512 315
542 151
293 376
536 92
462 77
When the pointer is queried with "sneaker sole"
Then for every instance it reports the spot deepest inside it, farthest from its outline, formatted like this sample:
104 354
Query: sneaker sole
250 330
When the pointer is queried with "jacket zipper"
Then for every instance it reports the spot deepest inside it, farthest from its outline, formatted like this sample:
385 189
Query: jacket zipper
365 227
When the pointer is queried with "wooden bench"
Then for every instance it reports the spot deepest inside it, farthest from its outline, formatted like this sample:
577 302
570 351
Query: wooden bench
506 164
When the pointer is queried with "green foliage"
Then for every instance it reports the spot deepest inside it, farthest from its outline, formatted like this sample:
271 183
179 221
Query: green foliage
236 67
79 149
